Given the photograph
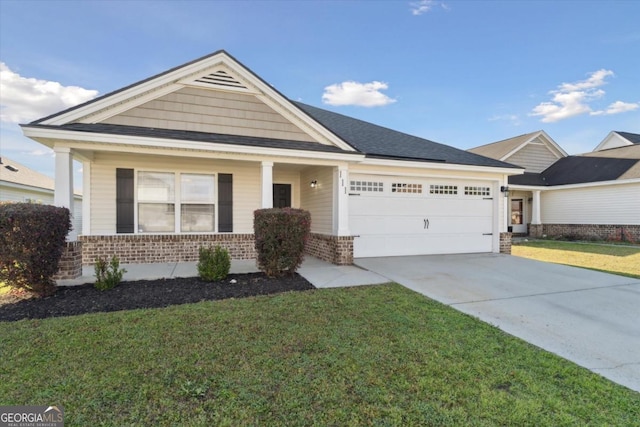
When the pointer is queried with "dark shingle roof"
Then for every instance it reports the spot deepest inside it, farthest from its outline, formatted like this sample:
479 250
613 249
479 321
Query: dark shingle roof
378 141
634 138
197 136
577 170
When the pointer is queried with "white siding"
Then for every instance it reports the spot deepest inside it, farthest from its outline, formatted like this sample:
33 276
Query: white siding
204 110
533 157
246 185
319 200
610 204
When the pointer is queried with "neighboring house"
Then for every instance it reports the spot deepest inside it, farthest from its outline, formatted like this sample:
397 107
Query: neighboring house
18 183
593 195
183 159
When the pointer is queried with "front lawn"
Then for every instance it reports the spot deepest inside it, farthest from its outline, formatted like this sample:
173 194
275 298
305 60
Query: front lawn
622 260
379 355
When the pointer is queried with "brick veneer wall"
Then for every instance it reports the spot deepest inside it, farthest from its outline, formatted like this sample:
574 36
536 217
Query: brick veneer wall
334 249
592 231
70 265
505 243
150 248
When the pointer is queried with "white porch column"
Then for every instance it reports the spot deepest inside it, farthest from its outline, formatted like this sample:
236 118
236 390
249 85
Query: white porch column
86 197
341 200
63 191
267 185
535 209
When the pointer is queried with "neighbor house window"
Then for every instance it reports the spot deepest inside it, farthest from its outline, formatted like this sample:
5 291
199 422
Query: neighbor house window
156 202
197 208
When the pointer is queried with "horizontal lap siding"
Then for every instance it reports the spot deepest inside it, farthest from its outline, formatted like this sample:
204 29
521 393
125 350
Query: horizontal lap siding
246 185
319 200
611 204
533 157
203 110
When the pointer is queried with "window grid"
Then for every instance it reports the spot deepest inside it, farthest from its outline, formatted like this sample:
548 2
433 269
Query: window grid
401 187
443 189
477 191
371 186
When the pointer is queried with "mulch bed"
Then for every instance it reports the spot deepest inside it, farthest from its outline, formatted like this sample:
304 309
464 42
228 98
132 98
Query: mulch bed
73 300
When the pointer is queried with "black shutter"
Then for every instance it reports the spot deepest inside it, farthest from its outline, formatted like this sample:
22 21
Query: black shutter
225 203
124 200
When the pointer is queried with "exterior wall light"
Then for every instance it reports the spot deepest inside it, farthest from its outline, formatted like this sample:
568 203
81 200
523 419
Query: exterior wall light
314 184
505 189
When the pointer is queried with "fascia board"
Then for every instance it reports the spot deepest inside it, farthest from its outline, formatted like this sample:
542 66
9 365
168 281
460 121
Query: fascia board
573 186
519 147
68 137
442 166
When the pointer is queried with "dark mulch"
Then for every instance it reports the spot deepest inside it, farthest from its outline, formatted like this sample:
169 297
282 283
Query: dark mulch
73 300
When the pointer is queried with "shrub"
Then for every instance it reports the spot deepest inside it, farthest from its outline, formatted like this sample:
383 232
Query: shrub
213 264
281 235
108 274
32 240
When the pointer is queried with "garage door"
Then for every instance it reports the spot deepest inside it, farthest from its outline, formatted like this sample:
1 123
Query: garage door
404 216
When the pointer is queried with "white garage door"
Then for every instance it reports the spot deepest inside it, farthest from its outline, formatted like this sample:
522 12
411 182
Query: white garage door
405 216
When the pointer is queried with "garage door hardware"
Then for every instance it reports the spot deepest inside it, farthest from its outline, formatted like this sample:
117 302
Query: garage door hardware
426 224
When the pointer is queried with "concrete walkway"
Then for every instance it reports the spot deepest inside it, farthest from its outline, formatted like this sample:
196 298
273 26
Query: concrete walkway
588 317
319 273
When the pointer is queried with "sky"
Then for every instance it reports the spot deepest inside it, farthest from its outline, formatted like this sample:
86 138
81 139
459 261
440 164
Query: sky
463 73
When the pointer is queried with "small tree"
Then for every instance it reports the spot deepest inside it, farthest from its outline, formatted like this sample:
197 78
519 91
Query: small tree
108 274
213 264
281 236
32 240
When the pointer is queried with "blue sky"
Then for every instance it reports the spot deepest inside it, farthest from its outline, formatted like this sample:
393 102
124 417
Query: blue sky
464 73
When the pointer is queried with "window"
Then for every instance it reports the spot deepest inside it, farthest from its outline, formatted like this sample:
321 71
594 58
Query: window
443 189
197 210
371 186
477 191
400 187
156 202
163 209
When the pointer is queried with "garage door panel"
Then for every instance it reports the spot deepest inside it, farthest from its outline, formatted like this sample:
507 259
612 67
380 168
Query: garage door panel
390 223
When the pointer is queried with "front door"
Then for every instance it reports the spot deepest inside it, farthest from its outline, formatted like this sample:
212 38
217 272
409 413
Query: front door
517 216
281 195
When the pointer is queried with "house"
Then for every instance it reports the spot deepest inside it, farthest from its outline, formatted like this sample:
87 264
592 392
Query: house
183 159
593 195
19 183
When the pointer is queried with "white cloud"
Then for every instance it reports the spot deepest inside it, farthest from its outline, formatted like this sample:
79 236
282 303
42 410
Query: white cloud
573 99
354 93
25 99
423 6
513 118
41 152
617 107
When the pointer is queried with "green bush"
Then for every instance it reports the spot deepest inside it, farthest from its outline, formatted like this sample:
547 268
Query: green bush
32 240
281 236
213 264
108 274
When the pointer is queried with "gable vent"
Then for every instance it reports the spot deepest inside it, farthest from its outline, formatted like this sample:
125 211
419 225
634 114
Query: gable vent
220 78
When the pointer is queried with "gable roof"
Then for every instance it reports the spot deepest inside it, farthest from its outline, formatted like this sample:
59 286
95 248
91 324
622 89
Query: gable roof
17 173
578 170
333 132
377 141
503 149
633 138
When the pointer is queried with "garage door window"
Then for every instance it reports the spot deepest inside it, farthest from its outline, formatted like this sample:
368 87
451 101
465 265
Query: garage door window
477 191
443 189
370 186
403 187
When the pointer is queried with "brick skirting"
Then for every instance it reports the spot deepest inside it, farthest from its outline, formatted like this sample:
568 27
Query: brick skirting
157 248
505 243
334 249
592 231
70 265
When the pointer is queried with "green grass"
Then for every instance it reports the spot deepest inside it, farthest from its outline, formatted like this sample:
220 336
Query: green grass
622 260
380 355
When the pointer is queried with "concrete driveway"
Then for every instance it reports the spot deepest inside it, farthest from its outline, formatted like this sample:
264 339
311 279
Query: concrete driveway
588 317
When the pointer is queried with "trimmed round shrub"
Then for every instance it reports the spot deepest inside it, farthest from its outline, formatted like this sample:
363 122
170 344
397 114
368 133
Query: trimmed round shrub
213 264
32 240
281 236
